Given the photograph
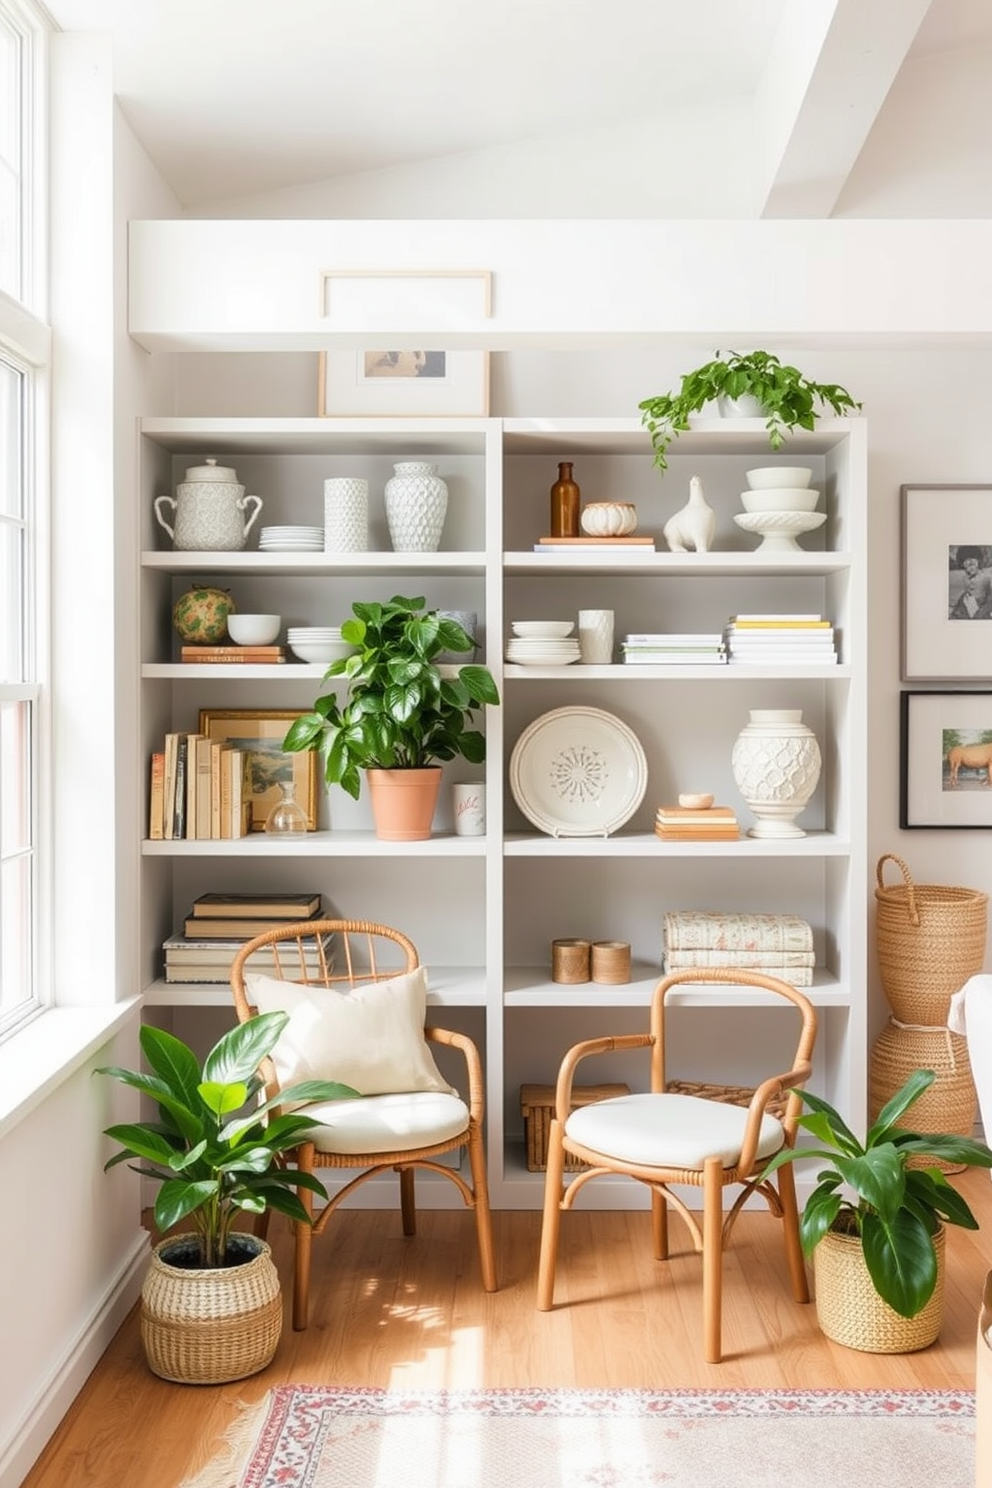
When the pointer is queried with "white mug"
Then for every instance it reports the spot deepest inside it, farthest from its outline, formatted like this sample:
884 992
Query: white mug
596 637
469 803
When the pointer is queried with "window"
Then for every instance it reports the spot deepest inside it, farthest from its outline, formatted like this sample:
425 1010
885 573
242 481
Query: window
24 349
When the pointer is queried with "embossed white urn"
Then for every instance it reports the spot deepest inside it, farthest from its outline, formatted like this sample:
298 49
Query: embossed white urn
416 503
209 510
776 764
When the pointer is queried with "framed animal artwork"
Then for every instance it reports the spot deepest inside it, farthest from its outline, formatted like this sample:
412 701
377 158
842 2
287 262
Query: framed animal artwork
945 776
946 583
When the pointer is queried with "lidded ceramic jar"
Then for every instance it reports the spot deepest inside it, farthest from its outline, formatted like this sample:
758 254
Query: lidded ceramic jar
209 510
776 765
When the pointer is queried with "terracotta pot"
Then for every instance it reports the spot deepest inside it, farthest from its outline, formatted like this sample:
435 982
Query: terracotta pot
403 802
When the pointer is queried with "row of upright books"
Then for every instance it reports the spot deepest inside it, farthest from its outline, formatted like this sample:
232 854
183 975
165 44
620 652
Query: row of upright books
219 924
780 945
780 640
199 789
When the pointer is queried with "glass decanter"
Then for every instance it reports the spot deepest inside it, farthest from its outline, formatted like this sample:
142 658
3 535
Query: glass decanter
287 815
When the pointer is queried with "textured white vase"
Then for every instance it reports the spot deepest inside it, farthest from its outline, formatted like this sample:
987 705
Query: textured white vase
596 637
776 764
416 502
346 514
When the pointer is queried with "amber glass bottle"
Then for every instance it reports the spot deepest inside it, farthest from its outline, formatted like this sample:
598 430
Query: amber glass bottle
565 503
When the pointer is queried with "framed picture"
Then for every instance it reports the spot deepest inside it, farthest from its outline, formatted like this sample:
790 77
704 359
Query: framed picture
403 384
946 583
260 732
945 777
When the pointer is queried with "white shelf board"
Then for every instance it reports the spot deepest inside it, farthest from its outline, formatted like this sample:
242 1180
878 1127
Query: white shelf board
316 845
253 561
705 436
449 986
708 565
620 672
649 845
318 436
529 986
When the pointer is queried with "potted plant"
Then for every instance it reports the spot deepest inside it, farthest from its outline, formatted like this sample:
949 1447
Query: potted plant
779 392
211 1305
874 1224
401 716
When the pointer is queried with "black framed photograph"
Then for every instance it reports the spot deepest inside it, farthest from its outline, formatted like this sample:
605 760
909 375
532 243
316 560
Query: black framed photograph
945 747
946 583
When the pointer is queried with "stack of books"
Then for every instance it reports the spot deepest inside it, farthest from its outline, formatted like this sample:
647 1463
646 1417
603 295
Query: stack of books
218 925
780 945
795 640
615 545
692 824
236 655
199 789
660 648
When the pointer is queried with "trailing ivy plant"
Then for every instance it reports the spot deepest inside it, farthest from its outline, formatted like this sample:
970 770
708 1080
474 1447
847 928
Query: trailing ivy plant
787 397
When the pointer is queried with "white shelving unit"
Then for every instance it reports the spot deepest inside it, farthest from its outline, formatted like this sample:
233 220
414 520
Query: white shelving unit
484 911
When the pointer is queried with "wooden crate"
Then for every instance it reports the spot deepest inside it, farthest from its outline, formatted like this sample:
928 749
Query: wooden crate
537 1105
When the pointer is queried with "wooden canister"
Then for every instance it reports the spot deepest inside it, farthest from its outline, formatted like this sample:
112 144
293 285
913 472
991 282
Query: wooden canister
611 961
570 960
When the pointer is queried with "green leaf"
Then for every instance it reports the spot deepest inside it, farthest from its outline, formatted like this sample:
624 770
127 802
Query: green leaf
172 1061
223 1099
901 1261
888 1116
178 1197
237 1055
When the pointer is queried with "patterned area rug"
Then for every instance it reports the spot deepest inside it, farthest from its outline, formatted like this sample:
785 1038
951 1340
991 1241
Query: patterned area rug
321 1437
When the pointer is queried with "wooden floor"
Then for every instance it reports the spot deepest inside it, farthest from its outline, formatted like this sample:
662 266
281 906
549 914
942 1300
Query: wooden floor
410 1314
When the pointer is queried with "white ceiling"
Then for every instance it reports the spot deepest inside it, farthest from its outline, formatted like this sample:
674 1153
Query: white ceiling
233 98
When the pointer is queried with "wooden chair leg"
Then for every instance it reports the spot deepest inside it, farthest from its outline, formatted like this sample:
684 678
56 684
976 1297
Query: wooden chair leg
790 1233
304 1243
483 1215
659 1225
408 1201
551 1222
712 1260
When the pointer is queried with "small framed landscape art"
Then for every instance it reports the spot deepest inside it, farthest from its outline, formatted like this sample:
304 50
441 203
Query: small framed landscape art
945 777
946 583
260 732
403 383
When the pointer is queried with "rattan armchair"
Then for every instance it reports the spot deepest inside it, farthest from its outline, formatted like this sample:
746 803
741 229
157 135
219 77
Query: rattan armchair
701 1138
400 1130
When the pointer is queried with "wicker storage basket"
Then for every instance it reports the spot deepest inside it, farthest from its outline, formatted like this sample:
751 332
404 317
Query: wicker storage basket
537 1105
850 1311
949 1105
930 940
204 1327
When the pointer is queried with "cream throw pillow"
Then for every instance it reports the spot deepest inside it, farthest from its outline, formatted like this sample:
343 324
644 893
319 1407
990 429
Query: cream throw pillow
369 1037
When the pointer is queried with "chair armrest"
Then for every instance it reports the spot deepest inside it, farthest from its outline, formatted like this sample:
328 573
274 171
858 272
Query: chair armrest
462 1042
616 1044
772 1088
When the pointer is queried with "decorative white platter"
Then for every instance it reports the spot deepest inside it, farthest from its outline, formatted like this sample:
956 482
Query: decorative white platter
578 772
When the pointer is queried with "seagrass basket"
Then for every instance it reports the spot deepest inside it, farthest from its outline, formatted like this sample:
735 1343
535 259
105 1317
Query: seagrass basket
949 1105
208 1326
930 939
850 1311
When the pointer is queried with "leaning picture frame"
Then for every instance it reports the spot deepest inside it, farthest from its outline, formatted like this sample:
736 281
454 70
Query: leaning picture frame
945 750
946 593
403 384
260 732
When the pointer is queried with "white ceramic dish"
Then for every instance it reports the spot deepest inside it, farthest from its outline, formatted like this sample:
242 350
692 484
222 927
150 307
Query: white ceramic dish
779 530
780 498
693 801
325 651
546 629
578 772
768 476
253 630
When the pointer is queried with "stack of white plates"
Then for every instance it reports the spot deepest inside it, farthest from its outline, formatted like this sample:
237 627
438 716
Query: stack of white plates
542 651
318 642
291 540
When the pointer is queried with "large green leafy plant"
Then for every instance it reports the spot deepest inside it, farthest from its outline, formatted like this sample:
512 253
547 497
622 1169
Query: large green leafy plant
788 398
896 1209
215 1149
400 712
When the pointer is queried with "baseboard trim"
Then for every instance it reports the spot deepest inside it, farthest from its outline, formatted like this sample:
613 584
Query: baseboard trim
28 1437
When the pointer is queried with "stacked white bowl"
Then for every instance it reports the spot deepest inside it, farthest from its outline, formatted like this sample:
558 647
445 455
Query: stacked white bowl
320 643
779 488
542 643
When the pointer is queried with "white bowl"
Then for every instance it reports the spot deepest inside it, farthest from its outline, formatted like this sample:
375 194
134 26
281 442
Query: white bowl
780 498
544 628
325 651
253 630
778 475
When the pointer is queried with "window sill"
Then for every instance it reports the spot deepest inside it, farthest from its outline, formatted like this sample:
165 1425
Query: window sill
35 1060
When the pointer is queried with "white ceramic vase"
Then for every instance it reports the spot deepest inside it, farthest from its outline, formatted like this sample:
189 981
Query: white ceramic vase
776 764
416 503
346 514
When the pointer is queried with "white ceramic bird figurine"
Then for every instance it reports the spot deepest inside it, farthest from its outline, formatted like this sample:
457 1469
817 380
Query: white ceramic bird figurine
693 527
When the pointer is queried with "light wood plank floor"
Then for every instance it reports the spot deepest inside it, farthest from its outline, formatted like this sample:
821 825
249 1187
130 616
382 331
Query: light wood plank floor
410 1314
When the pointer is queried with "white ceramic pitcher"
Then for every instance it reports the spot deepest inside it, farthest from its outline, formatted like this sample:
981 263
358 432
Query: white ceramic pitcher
209 510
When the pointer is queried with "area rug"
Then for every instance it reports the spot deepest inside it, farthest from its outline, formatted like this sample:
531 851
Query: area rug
322 1437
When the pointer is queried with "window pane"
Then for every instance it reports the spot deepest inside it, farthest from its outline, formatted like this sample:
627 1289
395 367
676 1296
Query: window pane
11 440
11 164
15 779
11 603
15 935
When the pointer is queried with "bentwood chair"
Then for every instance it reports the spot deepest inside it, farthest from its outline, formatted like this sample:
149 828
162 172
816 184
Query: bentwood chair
670 1137
356 995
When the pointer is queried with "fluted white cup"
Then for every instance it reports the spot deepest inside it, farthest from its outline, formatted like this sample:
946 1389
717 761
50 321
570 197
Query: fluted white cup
346 514
596 637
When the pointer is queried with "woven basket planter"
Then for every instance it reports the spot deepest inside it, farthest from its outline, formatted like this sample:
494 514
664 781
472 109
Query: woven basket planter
930 940
850 1311
204 1327
949 1105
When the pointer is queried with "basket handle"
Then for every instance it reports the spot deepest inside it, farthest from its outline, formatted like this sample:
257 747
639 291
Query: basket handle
914 913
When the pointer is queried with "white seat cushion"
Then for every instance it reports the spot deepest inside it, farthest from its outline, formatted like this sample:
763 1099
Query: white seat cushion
387 1123
669 1131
